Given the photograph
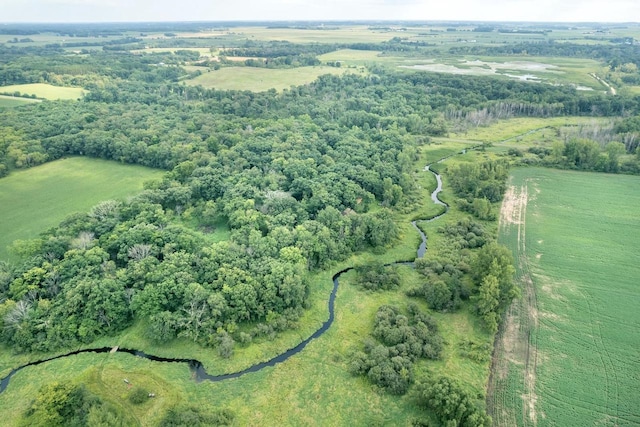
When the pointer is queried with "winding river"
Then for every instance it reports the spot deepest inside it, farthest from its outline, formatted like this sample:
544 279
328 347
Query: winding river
197 368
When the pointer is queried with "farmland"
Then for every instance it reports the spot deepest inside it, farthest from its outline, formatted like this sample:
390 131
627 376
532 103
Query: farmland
261 79
38 198
46 91
14 101
568 352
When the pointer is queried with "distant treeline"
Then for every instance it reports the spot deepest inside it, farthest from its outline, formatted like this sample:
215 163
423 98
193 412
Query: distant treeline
612 54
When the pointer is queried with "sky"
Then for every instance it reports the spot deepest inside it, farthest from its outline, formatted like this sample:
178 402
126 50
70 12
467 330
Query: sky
318 10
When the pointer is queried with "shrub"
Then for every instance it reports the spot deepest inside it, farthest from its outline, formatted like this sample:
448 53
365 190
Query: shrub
138 395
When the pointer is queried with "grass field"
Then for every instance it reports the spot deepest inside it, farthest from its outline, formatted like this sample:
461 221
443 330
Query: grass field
35 199
13 101
568 352
523 132
46 91
261 79
351 56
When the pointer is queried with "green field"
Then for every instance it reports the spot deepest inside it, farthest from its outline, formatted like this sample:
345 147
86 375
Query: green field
351 56
13 101
46 91
261 79
568 352
35 199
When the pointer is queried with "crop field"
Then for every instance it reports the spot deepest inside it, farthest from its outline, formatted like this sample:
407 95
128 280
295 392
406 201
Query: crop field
13 101
35 199
351 56
568 352
46 91
261 79
343 34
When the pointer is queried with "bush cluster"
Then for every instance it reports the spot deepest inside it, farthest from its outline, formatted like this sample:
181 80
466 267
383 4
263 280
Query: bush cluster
397 341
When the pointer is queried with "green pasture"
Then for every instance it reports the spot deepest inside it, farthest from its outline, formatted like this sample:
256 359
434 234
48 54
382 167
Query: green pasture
44 90
261 79
35 199
14 101
351 56
569 348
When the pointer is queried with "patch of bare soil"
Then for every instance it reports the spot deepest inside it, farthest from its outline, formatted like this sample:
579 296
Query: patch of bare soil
516 342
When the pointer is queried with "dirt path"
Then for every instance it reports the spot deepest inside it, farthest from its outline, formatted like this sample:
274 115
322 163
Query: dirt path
600 80
515 344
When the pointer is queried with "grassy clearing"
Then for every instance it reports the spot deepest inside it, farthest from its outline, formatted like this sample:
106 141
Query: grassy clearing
261 79
102 374
46 91
568 352
313 388
14 101
351 56
35 199
523 132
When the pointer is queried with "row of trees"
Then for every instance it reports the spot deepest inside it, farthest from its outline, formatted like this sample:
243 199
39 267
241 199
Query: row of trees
587 154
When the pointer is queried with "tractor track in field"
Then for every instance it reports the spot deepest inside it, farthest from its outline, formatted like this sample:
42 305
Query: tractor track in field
606 359
516 342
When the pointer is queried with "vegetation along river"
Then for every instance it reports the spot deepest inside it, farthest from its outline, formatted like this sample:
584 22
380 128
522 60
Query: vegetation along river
197 367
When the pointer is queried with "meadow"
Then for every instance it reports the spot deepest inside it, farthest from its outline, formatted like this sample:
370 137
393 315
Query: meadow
35 199
261 79
14 101
45 91
567 354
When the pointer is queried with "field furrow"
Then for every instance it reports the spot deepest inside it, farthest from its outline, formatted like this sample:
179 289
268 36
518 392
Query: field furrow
575 243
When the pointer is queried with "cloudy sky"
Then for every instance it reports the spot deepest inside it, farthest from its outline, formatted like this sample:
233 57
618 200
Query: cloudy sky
261 10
